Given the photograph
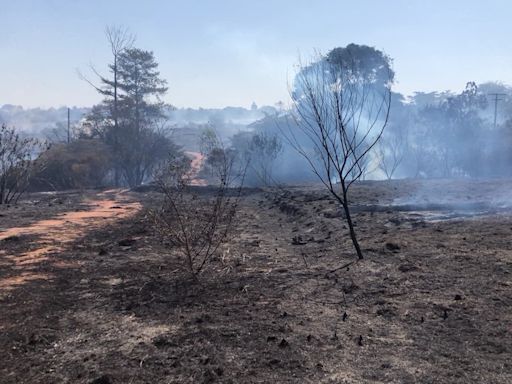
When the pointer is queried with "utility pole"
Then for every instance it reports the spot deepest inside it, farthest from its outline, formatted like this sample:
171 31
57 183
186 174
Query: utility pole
497 97
69 127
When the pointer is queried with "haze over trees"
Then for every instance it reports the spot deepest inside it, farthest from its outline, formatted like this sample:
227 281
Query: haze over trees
345 124
428 135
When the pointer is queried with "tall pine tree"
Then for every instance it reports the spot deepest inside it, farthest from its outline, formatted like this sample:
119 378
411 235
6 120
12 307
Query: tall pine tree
131 116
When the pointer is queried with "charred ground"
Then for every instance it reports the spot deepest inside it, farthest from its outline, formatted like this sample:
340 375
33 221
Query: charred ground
430 303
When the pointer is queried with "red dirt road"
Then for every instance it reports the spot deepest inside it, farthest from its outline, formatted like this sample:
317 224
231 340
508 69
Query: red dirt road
49 236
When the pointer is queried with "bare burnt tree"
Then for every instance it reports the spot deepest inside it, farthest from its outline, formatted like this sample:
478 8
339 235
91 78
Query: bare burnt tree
16 164
391 151
198 220
119 40
341 113
259 151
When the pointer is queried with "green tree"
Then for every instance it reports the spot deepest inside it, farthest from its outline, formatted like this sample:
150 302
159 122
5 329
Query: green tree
142 143
103 121
365 64
131 118
141 89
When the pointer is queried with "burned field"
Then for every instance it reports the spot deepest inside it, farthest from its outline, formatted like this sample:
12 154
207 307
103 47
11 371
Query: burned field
96 297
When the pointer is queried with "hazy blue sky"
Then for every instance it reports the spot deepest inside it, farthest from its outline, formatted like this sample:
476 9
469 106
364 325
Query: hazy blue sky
232 52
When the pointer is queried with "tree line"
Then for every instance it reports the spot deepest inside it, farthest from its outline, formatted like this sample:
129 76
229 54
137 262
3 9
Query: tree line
124 138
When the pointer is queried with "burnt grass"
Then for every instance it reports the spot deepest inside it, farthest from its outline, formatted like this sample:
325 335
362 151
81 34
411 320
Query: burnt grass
429 304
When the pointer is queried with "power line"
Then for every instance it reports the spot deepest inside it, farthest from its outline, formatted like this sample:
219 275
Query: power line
497 98
69 126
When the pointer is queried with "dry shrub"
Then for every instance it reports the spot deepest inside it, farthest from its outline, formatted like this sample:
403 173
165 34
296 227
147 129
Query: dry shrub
198 220
18 163
79 164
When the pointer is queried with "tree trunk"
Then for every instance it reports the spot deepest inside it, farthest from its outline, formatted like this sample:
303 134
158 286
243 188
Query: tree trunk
352 232
3 190
353 236
116 126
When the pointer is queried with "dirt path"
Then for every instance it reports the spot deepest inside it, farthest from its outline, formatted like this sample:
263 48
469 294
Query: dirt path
197 161
45 238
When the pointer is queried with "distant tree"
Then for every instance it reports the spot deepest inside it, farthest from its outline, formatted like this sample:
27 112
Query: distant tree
342 106
391 150
219 161
259 150
17 164
143 142
451 133
366 64
504 111
497 159
119 40
131 118
141 87
59 133
98 124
